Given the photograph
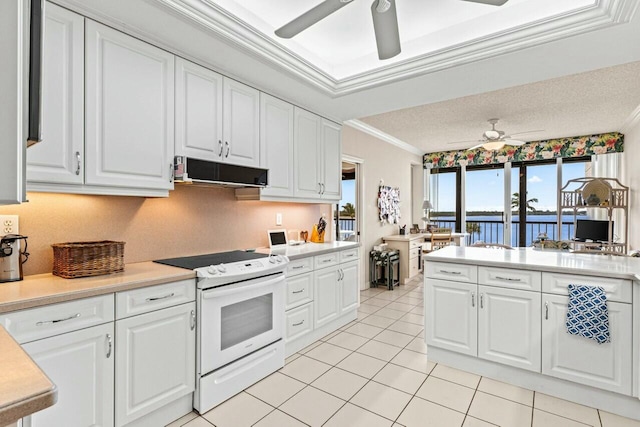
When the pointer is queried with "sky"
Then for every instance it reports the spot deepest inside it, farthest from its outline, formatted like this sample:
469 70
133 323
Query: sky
485 188
348 193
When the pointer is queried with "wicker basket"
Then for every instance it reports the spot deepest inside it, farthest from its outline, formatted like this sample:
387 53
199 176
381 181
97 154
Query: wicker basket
82 259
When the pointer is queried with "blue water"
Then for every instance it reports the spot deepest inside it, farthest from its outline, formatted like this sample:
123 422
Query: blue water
494 232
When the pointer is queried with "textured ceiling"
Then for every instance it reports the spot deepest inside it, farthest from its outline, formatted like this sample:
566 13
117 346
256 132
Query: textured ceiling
581 104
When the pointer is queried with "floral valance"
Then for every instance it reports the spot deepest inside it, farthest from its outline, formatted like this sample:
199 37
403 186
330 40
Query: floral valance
538 150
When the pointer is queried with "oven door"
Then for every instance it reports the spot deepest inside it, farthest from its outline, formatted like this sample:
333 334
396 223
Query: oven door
238 319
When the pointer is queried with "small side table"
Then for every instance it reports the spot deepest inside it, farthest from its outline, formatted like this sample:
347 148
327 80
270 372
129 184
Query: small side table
388 262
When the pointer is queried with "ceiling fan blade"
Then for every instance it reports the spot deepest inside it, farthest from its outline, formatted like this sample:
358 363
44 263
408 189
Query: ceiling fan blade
310 17
385 25
466 142
475 146
522 133
489 2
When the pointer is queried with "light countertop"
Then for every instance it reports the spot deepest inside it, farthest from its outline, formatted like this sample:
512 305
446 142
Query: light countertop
309 249
408 237
548 260
24 388
43 289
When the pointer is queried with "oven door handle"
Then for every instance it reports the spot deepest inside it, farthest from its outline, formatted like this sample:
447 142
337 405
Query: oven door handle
230 290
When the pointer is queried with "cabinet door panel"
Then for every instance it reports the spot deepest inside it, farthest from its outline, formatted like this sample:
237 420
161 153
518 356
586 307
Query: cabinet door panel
331 161
509 327
583 360
349 286
198 111
307 165
326 294
241 128
155 356
451 316
129 111
59 158
276 145
78 365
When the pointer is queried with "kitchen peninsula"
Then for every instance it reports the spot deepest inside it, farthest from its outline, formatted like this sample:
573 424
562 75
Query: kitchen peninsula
501 313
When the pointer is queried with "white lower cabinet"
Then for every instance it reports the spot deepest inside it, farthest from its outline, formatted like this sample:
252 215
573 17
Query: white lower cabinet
155 359
81 365
451 320
581 360
326 294
349 287
509 327
299 322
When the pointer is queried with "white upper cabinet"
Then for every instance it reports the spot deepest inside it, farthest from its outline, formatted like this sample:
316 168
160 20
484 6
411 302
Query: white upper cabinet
129 111
307 160
331 155
198 111
318 157
241 118
59 157
276 145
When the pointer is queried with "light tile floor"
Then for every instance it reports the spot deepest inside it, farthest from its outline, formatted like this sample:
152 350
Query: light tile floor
374 372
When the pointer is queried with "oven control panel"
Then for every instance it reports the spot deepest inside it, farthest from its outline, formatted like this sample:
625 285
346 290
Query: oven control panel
242 270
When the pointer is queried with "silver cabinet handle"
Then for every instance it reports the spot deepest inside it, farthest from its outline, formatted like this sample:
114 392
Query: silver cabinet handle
298 292
193 319
78 163
510 279
481 300
159 298
473 299
319 188
350 255
546 310
450 272
220 144
299 323
109 345
324 261
322 187
226 143
297 267
171 172
51 322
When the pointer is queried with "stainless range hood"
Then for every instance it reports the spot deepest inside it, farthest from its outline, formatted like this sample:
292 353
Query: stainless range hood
204 172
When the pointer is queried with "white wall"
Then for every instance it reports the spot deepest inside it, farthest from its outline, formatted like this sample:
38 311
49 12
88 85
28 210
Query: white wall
631 178
381 161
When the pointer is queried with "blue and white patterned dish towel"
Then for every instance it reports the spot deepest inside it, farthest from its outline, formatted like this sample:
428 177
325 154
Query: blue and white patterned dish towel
587 314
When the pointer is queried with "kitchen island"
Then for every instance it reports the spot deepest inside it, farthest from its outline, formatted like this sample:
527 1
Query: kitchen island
502 313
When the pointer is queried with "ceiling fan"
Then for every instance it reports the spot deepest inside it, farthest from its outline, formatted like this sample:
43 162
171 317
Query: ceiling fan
495 139
385 22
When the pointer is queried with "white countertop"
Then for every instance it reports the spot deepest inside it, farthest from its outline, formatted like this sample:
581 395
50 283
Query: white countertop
408 237
309 249
548 260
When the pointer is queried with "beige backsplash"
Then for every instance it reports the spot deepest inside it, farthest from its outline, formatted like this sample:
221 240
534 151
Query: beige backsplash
192 220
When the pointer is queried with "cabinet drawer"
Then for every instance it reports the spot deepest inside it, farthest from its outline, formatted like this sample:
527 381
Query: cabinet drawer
414 266
414 252
326 260
348 255
416 243
616 289
510 278
299 266
143 300
450 271
299 322
299 290
42 322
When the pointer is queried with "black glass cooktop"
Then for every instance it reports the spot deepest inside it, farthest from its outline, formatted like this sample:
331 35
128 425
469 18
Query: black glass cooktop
193 262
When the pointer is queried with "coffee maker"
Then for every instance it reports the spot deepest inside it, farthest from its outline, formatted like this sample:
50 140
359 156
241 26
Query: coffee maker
11 258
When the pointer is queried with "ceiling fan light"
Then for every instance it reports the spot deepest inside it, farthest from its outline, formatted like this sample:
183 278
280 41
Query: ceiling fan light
492 134
383 6
493 145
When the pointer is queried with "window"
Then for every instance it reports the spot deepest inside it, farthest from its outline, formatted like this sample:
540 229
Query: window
484 202
444 197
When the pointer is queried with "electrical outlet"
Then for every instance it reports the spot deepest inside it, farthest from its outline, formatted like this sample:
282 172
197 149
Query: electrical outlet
8 224
278 219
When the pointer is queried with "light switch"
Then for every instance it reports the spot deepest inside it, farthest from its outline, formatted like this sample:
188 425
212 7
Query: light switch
278 219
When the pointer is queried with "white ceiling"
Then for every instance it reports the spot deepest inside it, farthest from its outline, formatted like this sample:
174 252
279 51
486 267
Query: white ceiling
582 104
603 35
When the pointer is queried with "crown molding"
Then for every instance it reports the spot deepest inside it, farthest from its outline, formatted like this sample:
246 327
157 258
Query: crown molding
603 14
375 132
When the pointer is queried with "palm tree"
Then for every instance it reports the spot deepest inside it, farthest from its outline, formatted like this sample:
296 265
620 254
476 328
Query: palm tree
473 227
515 202
348 210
